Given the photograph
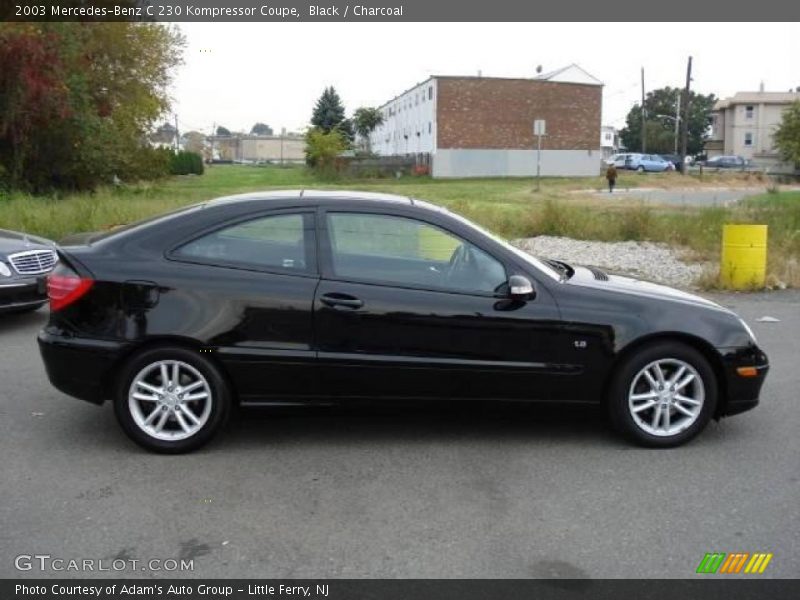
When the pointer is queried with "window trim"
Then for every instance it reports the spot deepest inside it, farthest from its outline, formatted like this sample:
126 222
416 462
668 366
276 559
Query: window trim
326 253
310 243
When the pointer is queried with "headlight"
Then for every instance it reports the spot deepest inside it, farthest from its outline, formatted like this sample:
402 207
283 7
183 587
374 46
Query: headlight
747 329
4 270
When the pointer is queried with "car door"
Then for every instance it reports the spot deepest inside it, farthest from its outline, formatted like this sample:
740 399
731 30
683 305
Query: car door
249 287
408 309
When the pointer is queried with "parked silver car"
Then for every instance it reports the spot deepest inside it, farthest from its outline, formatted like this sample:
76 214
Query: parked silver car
25 261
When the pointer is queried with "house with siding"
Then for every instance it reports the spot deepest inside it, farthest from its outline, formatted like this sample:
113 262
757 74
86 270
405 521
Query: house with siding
744 125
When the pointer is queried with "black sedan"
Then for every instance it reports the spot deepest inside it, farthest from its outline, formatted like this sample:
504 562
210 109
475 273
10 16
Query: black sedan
317 297
25 260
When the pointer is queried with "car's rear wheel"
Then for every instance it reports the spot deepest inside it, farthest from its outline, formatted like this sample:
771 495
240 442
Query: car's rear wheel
171 400
663 395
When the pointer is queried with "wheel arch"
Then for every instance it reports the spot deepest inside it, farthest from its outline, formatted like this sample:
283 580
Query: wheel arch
110 380
706 349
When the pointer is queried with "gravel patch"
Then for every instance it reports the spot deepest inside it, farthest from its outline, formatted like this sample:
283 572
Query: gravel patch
644 260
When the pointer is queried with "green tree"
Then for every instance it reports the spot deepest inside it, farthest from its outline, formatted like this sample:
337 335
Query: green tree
787 135
78 99
659 107
261 129
223 130
329 114
365 121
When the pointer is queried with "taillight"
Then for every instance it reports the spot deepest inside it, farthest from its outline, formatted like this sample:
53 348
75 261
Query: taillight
65 287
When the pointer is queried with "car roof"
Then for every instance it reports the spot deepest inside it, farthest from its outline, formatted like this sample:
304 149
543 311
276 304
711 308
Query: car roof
312 195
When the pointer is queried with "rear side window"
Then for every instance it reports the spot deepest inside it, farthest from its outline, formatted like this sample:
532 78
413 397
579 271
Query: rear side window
274 242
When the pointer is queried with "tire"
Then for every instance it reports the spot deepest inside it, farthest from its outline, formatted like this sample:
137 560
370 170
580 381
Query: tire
640 169
187 419
666 423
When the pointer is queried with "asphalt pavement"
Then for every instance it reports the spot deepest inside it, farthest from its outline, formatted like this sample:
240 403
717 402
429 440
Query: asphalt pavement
390 493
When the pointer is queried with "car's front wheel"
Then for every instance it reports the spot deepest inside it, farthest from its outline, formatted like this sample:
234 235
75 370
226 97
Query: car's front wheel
663 395
640 169
171 400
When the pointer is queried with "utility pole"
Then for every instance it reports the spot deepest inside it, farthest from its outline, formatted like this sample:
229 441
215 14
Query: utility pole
644 121
213 141
685 123
677 120
177 135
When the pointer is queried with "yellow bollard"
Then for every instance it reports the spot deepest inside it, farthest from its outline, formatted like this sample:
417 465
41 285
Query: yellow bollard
744 256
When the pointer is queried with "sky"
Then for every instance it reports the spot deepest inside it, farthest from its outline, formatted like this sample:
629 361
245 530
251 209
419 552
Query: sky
241 73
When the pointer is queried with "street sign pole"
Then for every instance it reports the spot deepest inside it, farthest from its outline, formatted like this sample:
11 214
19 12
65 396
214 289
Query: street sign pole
538 160
538 131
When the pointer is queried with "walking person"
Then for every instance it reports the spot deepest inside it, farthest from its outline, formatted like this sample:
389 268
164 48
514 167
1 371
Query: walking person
611 175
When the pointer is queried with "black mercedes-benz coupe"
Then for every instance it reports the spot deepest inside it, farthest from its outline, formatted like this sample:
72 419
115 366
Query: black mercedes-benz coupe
25 260
326 297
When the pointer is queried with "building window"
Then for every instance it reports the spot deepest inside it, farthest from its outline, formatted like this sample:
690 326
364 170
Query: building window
430 127
430 92
748 139
748 112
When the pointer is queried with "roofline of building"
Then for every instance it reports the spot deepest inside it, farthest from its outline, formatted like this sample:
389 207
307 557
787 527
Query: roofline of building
534 79
732 100
248 136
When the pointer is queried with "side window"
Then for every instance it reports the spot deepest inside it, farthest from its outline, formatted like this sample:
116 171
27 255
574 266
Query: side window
277 241
406 252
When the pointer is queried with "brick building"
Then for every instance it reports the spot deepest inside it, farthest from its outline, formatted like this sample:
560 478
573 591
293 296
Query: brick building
483 126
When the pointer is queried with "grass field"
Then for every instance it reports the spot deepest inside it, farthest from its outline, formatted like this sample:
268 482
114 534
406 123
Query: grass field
509 207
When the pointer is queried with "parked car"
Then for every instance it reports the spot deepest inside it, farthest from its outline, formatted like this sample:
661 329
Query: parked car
675 160
25 260
726 162
647 162
314 298
618 160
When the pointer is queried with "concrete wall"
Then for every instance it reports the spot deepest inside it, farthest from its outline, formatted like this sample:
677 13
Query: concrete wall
516 163
271 148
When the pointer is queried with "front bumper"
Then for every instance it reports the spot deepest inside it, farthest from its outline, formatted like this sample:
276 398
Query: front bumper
22 293
80 367
742 393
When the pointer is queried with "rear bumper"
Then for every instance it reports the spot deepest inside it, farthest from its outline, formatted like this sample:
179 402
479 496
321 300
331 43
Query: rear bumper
79 367
742 393
22 293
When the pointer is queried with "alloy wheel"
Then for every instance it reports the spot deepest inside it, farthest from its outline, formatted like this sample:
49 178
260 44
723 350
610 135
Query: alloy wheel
170 400
666 397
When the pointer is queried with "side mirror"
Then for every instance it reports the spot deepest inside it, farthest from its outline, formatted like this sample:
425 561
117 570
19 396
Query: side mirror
520 288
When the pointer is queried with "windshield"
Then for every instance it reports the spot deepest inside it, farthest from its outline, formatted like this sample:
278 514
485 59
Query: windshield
548 269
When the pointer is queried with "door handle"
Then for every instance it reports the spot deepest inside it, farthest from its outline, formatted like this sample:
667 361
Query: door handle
334 300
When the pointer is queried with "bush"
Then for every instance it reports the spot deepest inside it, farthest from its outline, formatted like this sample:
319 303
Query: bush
323 151
186 163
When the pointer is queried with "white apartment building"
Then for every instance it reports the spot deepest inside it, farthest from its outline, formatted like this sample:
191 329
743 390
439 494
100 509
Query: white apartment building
409 122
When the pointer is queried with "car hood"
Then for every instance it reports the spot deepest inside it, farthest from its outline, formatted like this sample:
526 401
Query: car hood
80 239
594 278
14 241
